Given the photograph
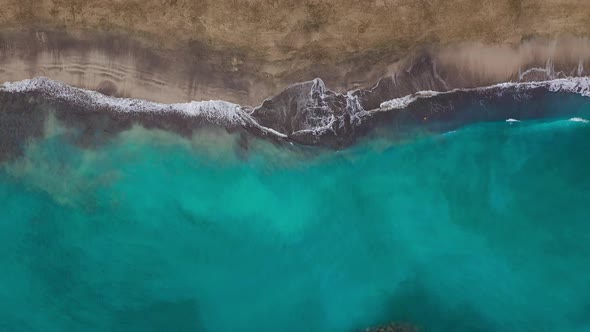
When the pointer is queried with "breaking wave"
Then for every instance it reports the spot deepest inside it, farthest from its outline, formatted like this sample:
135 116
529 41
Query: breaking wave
215 111
579 120
579 85
303 113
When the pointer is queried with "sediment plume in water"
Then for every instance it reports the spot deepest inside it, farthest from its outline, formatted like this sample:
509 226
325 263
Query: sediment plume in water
306 113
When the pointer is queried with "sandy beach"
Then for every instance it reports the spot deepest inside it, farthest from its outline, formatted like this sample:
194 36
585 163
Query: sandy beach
246 51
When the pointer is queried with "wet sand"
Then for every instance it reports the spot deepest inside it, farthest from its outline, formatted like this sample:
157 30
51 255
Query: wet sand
266 55
244 51
24 115
126 67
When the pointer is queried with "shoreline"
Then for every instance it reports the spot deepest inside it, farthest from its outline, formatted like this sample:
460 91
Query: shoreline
121 65
337 120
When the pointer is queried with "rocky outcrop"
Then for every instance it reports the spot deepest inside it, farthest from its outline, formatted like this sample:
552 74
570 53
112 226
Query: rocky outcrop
309 113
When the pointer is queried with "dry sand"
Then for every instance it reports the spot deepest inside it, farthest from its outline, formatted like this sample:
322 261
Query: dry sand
246 50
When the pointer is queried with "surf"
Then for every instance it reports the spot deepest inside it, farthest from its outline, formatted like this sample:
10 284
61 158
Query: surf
322 121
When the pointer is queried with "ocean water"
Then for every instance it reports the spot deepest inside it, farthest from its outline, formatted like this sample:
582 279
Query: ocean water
485 228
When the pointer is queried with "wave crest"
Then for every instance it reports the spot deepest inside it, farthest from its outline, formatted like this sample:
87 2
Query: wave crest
215 111
306 112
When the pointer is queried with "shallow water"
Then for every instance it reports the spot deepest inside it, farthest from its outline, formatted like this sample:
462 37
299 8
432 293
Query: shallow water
482 229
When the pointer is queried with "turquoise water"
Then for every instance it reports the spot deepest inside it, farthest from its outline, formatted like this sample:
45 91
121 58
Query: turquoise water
483 229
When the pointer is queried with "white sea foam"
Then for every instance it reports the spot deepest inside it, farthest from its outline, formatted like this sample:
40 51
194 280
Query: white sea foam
579 120
215 111
579 85
230 114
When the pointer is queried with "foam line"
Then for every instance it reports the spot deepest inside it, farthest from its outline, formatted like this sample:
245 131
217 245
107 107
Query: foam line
232 115
579 85
218 112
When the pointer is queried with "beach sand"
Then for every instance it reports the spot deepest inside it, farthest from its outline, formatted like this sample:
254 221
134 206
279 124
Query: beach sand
246 51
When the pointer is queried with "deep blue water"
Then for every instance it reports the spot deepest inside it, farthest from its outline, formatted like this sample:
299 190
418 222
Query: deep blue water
486 228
